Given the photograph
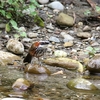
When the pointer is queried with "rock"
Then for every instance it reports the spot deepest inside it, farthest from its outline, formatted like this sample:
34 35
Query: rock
68 44
67 63
43 1
15 46
2 25
12 99
64 19
87 28
84 34
7 58
66 37
36 69
21 84
32 35
81 84
22 29
50 27
98 28
56 5
94 64
27 40
60 53
54 39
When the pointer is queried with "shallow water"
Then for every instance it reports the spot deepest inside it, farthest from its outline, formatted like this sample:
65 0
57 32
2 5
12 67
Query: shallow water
49 87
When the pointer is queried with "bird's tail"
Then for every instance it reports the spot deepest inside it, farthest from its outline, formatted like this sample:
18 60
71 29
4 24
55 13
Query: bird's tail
28 58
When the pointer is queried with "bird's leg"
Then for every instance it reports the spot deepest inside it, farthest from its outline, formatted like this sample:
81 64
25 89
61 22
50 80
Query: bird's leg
39 61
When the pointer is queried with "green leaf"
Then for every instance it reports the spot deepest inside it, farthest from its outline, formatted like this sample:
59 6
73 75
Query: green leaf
10 2
39 21
8 15
23 34
7 28
3 12
97 9
16 35
14 24
87 12
34 2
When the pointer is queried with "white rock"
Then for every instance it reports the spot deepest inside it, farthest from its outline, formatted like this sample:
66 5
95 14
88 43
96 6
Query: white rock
12 99
60 53
56 5
67 37
15 46
43 1
32 35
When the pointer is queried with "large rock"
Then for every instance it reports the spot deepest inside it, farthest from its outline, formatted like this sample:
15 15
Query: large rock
43 1
15 46
7 58
64 19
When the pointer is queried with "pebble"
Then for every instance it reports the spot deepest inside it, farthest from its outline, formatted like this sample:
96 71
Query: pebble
56 5
66 37
60 53
32 34
15 46
98 28
2 25
54 39
43 1
87 28
84 34
50 27
26 40
68 44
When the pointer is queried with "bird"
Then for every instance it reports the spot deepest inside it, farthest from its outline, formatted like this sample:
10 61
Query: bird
37 50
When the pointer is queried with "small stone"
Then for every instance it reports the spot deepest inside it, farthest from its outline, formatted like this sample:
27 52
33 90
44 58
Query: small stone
43 1
68 44
64 19
32 35
2 25
84 34
80 24
26 40
67 37
15 46
56 5
54 39
98 28
87 28
50 27
60 53
12 99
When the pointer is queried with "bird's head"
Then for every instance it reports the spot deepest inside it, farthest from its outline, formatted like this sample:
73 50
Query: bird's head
40 43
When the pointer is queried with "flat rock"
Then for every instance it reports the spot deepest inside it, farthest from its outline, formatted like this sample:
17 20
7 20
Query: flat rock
32 34
54 39
7 58
84 34
68 44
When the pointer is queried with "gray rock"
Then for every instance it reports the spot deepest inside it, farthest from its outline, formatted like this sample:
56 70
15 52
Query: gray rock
56 5
66 37
65 20
54 39
84 34
43 1
15 46
32 35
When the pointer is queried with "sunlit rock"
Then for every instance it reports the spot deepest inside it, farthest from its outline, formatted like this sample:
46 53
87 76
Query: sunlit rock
15 46
94 64
81 84
37 69
64 19
21 84
65 63
7 58
60 53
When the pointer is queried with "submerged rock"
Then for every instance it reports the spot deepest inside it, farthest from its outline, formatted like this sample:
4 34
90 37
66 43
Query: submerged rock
7 58
81 84
67 63
36 69
21 84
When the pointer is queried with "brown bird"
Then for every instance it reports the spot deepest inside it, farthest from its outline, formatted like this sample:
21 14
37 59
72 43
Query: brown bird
37 50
